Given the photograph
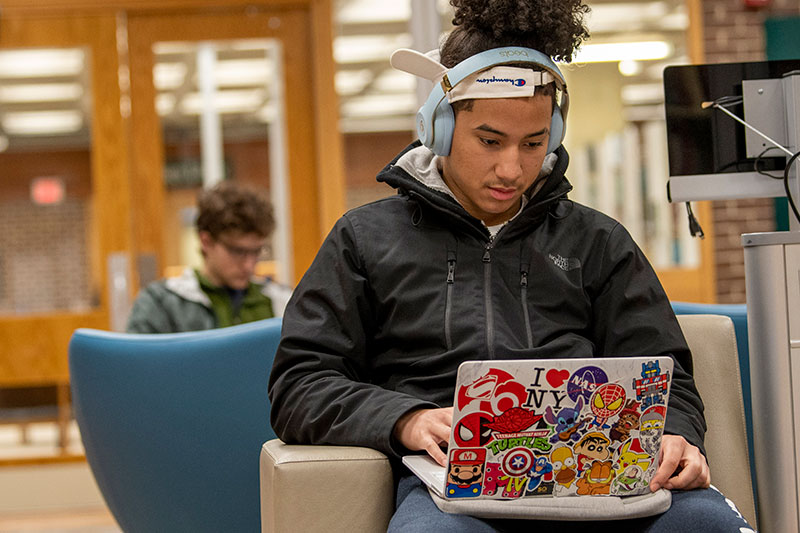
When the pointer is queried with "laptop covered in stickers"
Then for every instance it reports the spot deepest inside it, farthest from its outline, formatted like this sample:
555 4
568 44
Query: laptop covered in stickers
550 428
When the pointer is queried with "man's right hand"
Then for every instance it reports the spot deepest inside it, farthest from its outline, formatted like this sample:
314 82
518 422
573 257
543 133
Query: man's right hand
426 429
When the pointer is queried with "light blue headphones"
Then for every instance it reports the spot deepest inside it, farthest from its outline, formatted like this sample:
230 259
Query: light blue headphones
436 120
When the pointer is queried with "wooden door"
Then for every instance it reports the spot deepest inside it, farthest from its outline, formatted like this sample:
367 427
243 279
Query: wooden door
315 192
34 343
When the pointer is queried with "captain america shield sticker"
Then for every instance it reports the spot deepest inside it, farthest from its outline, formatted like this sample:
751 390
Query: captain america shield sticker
518 461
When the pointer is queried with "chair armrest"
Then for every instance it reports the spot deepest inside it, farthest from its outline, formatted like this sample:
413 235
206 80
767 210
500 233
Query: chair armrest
324 488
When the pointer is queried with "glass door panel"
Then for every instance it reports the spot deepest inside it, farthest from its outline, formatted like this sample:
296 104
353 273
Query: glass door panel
45 197
221 112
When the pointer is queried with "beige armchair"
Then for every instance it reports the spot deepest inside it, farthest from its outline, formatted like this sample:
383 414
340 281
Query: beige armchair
309 488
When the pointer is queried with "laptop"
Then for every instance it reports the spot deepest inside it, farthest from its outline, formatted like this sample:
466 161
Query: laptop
550 428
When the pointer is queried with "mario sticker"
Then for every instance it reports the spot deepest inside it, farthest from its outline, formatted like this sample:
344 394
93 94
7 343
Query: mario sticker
466 472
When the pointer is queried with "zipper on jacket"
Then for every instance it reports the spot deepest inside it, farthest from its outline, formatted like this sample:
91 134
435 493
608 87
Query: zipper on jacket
523 283
487 291
451 279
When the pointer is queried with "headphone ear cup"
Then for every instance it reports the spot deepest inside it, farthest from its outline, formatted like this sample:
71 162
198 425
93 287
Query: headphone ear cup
556 131
443 125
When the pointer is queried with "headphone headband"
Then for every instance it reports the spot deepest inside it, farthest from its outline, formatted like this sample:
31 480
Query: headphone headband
437 114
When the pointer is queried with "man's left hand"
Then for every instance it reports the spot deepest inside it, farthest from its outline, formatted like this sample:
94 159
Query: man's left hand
682 466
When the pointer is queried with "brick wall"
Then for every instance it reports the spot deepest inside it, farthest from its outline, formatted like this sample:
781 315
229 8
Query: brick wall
43 257
732 33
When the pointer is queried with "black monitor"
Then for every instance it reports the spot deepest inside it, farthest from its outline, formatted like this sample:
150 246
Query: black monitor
707 146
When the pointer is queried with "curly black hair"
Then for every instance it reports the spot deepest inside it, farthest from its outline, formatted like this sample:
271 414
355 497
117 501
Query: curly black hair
554 27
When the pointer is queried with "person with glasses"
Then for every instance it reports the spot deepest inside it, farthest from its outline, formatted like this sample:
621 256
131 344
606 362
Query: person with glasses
233 225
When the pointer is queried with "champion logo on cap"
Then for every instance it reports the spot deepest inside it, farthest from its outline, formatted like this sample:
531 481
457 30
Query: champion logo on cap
516 82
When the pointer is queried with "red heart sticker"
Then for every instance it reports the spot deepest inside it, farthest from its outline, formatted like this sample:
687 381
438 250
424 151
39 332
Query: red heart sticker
556 378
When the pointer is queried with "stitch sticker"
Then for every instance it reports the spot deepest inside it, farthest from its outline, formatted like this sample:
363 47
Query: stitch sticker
567 422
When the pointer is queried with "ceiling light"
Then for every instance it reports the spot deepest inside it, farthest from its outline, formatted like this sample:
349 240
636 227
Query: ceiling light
352 81
392 81
41 92
168 76
42 122
630 67
361 48
379 105
244 101
373 11
165 104
637 51
238 72
41 63
642 93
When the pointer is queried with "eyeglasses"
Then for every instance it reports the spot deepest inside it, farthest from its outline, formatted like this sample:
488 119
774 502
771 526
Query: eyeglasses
238 252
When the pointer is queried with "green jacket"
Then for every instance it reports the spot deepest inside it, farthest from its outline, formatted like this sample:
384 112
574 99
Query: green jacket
190 302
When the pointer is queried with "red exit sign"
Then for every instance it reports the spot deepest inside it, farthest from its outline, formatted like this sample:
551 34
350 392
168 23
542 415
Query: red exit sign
48 190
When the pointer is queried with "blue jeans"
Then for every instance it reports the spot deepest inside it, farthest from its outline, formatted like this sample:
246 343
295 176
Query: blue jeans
703 511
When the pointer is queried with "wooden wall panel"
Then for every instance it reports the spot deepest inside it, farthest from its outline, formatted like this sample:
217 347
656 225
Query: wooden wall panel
34 348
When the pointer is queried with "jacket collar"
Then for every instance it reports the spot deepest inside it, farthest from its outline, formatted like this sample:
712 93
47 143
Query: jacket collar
414 173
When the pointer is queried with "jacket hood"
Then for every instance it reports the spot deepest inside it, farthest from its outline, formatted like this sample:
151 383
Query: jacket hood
414 173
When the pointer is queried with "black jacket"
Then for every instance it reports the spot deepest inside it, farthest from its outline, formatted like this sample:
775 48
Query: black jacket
406 288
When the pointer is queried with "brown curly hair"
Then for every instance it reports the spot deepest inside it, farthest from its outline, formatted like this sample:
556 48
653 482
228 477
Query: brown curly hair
231 207
554 27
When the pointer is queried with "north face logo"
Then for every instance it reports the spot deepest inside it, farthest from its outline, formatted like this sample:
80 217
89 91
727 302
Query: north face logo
565 263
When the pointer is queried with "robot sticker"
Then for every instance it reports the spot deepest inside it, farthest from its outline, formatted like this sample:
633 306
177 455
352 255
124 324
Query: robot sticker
652 386
465 473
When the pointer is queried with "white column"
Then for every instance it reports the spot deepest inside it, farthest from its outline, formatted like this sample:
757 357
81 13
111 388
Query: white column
279 168
425 26
213 166
632 194
656 172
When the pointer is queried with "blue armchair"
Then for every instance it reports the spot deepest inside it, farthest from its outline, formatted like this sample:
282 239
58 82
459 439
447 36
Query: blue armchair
173 424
